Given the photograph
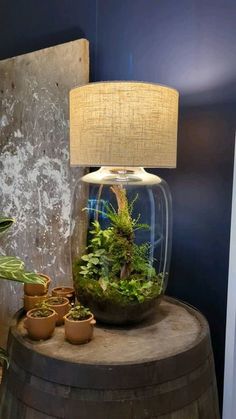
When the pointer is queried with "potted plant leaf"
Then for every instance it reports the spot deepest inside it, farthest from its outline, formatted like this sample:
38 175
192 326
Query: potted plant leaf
13 269
40 322
59 304
38 289
79 323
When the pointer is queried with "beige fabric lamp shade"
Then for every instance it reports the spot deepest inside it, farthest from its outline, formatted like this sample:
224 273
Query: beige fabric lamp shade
123 124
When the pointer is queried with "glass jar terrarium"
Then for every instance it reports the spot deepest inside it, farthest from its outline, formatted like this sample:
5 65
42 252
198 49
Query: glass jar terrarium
121 221
121 268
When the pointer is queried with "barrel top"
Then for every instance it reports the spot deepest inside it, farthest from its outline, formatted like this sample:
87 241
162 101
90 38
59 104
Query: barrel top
175 329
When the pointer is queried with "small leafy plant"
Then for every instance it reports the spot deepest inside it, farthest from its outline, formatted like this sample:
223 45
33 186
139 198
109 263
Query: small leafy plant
41 312
78 313
55 301
51 301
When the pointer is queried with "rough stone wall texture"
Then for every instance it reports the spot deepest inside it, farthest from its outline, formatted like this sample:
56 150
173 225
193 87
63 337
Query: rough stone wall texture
36 181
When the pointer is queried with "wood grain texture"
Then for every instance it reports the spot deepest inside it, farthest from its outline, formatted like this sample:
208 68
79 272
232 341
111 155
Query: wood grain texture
36 180
163 369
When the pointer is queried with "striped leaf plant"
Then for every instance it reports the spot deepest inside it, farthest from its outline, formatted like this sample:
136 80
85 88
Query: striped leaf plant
13 269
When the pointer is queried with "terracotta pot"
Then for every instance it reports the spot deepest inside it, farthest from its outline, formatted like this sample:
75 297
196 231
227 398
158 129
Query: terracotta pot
30 302
68 292
38 289
40 327
60 309
79 331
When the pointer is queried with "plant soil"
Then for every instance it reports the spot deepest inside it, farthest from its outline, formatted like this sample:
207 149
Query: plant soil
54 301
41 313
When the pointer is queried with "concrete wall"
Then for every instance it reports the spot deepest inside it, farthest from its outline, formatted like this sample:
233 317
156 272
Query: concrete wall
37 183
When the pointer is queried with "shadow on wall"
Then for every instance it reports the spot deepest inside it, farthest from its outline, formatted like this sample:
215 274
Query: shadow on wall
202 190
40 41
189 45
28 26
223 92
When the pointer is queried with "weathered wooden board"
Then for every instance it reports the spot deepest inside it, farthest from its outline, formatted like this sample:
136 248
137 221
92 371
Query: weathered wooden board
36 181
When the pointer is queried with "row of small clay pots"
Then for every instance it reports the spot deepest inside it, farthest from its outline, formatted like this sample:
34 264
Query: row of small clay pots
76 331
38 328
36 293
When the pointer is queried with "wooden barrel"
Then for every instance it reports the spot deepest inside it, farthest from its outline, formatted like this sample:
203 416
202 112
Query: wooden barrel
162 368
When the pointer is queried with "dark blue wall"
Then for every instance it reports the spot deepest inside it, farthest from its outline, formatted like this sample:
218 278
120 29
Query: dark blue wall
27 25
190 45
186 44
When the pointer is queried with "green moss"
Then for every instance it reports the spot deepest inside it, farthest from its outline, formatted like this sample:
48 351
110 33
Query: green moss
122 292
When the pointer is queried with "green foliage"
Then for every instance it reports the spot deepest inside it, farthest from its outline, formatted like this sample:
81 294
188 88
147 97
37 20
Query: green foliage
55 301
11 264
79 312
141 261
134 289
115 267
50 301
12 268
5 223
100 238
93 264
122 292
122 221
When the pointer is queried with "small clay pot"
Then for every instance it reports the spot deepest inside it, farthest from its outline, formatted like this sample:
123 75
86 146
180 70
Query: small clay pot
38 289
31 301
40 327
61 309
68 292
79 331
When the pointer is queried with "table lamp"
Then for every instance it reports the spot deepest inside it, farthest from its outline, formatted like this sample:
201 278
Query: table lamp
122 217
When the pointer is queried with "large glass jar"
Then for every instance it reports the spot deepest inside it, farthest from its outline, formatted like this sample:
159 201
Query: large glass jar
121 243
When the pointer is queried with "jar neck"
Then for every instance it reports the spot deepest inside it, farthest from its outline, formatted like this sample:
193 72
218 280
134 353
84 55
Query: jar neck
122 175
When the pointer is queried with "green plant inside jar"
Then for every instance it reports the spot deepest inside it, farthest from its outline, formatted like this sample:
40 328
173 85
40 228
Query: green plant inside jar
114 266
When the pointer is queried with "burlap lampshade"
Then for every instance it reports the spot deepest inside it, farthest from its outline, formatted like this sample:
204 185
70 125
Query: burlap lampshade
123 124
